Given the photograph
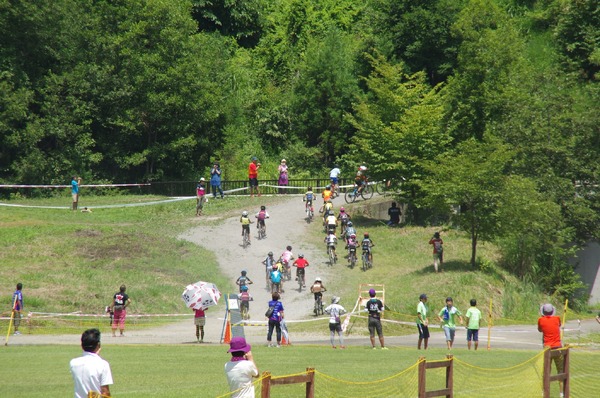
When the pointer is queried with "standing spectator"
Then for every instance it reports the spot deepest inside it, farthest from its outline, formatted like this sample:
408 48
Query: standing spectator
335 312
240 369
549 325
275 319
375 307
199 321
90 372
283 176
473 316
438 251
423 321
394 213
75 181
447 317
200 193
334 176
253 176
17 302
119 304
215 180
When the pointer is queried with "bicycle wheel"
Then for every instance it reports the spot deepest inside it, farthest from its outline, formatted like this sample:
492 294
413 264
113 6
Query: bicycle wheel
350 196
365 261
367 192
330 254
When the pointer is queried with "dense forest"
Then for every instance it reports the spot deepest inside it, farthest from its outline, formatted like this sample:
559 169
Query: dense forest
492 105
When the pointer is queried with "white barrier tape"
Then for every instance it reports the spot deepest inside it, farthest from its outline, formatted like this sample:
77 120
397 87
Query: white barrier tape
76 314
80 186
155 202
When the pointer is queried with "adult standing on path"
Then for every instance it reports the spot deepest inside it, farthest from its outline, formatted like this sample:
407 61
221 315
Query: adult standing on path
17 303
335 312
447 316
75 181
549 325
423 321
90 372
438 251
240 369
253 176
473 316
215 180
119 304
375 307
275 319
283 176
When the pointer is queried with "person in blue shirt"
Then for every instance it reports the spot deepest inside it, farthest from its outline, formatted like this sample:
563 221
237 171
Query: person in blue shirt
75 181
215 180
275 319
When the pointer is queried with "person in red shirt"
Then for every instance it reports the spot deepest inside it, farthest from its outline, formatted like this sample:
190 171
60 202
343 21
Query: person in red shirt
438 251
301 264
549 325
253 176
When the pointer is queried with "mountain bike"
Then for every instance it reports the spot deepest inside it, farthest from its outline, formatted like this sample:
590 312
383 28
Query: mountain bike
331 254
366 263
352 256
246 239
310 212
366 193
318 310
245 309
300 277
262 231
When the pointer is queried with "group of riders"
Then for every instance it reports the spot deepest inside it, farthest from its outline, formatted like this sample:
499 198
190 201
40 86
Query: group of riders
279 269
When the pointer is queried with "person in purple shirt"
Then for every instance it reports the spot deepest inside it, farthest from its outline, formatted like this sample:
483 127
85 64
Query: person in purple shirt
275 319
17 301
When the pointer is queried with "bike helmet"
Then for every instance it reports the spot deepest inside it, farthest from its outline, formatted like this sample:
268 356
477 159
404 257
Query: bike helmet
244 213
353 236
335 300
270 254
244 272
349 223
262 207
244 288
300 255
202 179
317 279
366 234
342 209
363 168
328 187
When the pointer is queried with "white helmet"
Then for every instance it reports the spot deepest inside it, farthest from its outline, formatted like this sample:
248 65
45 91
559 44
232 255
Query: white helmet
244 213
363 168
317 279
335 300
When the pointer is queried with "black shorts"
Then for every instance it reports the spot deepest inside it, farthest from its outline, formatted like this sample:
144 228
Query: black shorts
375 326
245 227
423 331
260 223
300 272
335 327
253 182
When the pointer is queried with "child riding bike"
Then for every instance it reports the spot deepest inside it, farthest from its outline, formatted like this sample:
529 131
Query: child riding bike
331 242
261 216
361 179
246 221
367 244
244 298
286 258
317 289
330 223
301 265
343 218
269 262
243 280
308 198
350 231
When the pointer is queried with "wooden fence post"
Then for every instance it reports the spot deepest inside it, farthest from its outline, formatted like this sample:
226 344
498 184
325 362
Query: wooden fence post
310 384
266 385
450 376
422 378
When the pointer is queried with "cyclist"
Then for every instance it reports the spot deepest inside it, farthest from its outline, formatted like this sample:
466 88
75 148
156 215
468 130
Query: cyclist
318 288
350 231
309 196
351 244
331 241
243 280
244 298
286 257
269 262
367 244
334 175
301 265
246 221
343 218
361 179
326 195
276 278
261 216
330 223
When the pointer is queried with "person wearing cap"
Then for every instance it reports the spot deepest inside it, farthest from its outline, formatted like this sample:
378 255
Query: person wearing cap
240 369
374 307
90 372
253 176
283 176
423 321
200 193
215 180
447 316
335 312
473 316
549 325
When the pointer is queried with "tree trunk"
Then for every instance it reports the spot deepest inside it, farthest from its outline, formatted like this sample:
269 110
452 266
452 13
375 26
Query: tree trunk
473 244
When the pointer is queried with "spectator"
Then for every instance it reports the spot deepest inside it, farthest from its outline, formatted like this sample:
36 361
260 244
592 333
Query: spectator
215 180
240 369
394 213
200 193
375 307
438 251
473 316
119 304
199 321
17 302
335 312
75 181
447 316
90 372
549 325
423 321
283 176
275 318
253 176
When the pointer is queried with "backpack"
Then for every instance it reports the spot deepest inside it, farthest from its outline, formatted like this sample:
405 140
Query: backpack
245 296
269 312
309 196
262 215
275 276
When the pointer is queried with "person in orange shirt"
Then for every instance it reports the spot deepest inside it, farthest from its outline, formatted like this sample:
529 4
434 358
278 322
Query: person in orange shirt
549 325
253 176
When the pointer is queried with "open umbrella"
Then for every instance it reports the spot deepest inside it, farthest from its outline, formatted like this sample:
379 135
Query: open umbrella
201 295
